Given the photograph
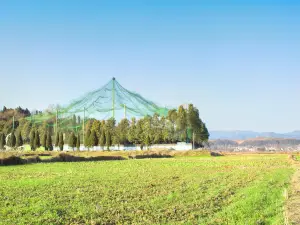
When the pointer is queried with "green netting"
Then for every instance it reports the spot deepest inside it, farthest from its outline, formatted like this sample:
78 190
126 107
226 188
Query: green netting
112 100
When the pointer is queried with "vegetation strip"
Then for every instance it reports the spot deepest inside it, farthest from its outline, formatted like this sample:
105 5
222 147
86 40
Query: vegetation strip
241 189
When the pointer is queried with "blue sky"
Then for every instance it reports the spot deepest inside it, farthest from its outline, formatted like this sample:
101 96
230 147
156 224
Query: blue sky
237 61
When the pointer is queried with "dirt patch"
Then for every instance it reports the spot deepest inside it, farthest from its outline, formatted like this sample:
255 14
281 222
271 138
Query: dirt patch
292 210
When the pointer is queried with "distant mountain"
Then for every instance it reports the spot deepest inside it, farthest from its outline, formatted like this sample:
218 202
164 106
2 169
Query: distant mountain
243 135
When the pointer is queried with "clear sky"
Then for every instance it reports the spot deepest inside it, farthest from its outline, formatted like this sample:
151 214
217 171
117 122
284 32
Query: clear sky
237 61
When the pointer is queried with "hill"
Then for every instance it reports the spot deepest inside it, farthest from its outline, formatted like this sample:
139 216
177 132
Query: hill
243 135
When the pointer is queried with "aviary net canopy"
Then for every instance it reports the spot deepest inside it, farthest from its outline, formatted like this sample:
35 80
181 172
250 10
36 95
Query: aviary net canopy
112 100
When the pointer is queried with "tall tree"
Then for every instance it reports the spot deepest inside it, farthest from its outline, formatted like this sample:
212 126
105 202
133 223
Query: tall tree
122 131
108 139
139 131
12 140
56 139
156 129
87 138
146 130
93 140
2 141
132 138
147 141
78 142
26 128
71 141
181 123
197 128
109 131
61 141
44 140
165 135
49 142
19 139
172 117
32 139
102 138
37 142
96 126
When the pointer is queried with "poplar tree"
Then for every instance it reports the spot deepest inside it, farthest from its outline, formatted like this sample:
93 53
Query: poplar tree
71 140
2 141
56 139
78 142
61 141
49 142
19 141
32 139
37 142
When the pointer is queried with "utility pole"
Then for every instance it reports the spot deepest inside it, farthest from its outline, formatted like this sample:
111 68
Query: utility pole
56 122
83 124
113 97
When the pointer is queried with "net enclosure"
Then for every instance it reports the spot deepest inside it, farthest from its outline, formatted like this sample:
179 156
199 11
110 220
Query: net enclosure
110 101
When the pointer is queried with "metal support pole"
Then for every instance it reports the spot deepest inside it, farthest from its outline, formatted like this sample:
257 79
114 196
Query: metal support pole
56 123
83 125
113 97
13 125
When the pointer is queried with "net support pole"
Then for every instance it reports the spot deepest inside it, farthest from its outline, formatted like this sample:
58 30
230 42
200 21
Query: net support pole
83 126
56 123
113 97
13 124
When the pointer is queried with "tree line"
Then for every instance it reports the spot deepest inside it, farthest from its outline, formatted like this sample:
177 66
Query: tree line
181 125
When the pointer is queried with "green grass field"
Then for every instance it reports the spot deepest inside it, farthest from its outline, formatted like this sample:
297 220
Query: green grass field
242 189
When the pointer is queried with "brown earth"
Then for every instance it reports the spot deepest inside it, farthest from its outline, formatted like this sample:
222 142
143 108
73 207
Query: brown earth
292 208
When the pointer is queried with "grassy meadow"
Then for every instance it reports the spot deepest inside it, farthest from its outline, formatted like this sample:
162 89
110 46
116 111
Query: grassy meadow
240 189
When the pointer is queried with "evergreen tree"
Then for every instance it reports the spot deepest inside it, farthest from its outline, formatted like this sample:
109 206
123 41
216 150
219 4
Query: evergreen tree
109 131
165 135
75 141
132 138
56 139
122 131
78 142
102 138
139 134
181 123
37 142
108 139
32 140
2 141
49 142
12 140
87 138
96 126
204 133
19 140
71 141
147 141
44 140
61 141
26 128
78 120
93 140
